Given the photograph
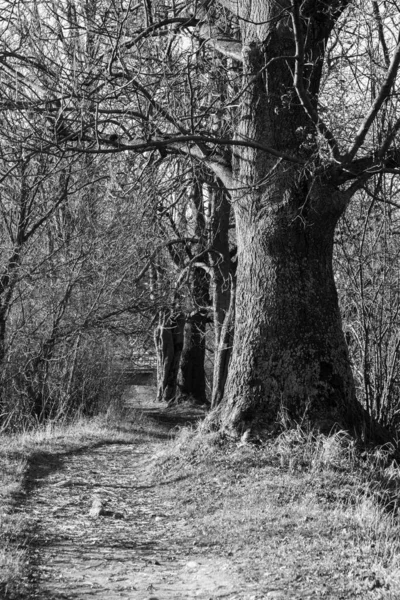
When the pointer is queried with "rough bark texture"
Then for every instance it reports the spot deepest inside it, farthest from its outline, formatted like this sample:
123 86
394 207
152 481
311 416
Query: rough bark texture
222 285
290 361
191 383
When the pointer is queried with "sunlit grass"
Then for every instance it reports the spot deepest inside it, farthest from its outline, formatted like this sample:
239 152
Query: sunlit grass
324 504
304 503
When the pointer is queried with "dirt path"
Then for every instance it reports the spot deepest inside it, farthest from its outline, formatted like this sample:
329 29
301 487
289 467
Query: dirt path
138 548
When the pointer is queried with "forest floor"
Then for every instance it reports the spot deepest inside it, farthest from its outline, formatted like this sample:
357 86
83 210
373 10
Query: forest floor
146 509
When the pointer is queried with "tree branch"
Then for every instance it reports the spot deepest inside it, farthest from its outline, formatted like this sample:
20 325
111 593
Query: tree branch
378 19
158 249
141 145
365 167
379 100
226 46
180 22
299 84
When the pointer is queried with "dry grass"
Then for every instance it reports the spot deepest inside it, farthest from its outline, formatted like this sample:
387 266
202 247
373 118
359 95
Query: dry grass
313 511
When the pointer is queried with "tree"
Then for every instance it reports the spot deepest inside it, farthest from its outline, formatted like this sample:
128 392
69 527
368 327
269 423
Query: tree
196 212
141 79
181 330
290 358
72 280
366 264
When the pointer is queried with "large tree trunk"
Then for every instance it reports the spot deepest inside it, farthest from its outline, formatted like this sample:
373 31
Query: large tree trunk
290 362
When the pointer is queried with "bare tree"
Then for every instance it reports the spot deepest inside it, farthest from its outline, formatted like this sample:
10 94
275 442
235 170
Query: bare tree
139 79
367 267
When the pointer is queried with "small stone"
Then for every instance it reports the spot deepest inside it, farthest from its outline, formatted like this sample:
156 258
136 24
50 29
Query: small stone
245 437
118 515
97 508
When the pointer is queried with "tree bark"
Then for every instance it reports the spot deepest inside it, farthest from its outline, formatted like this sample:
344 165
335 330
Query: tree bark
191 383
223 350
168 339
191 380
290 362
222 283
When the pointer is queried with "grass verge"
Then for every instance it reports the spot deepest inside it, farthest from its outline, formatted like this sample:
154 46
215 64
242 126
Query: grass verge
305 513
309 514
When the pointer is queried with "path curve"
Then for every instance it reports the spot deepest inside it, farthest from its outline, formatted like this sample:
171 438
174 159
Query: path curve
137 548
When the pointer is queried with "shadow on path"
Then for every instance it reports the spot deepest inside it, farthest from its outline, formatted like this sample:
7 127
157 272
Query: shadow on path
75 556
173 417
166 419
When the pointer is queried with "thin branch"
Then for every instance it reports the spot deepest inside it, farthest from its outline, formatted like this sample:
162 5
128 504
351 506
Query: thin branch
141 145
378 19
181 22
157 250
379 100
300 88
129 76
389 139
226 46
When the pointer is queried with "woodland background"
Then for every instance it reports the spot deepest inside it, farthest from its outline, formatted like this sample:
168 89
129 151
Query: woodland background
112 255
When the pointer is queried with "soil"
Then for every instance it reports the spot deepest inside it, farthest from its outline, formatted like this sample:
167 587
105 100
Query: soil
108 522
102 528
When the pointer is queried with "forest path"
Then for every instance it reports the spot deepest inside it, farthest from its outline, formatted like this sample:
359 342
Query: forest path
139 548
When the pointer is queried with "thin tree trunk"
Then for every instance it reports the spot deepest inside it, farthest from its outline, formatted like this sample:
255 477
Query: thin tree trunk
191 383
66 405
168 340
221 285
3 411
223 351
191 380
